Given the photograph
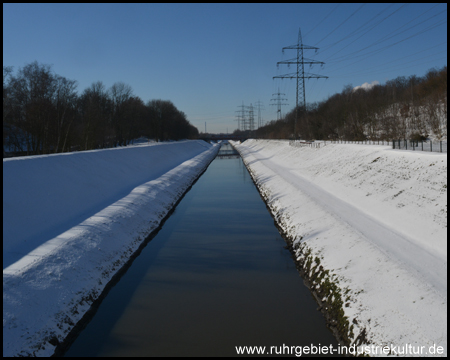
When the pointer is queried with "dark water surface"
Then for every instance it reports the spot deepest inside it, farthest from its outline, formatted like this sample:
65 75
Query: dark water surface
216 276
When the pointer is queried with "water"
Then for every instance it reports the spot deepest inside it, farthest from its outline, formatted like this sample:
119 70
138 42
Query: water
216 276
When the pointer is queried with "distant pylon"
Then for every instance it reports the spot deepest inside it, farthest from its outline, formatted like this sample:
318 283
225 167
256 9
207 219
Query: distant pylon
260 107
240 117
279 101
251 118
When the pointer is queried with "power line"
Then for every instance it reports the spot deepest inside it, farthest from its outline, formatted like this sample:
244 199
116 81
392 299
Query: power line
390 45
342 23
322 20
397 32
393 35
389 37
374 26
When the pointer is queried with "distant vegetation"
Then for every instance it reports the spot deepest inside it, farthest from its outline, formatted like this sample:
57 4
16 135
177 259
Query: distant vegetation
43 113
413 108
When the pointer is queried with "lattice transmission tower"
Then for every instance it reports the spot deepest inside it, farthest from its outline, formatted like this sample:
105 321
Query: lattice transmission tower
241 118
260 107
279 102
251 118
300 75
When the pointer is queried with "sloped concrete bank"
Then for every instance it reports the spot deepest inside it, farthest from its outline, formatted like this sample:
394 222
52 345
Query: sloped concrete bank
51 292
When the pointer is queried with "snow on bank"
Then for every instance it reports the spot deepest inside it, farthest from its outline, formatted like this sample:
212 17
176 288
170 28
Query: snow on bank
71 221
43 196
369 222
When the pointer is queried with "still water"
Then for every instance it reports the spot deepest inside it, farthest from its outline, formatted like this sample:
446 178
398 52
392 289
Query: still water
216 276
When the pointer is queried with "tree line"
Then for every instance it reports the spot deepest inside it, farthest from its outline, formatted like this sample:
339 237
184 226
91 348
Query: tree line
43 114
403 108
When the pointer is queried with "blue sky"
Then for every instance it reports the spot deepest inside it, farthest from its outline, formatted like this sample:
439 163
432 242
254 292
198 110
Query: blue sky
210 58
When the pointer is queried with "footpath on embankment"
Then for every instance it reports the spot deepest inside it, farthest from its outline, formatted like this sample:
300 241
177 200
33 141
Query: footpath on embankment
71 221
368 228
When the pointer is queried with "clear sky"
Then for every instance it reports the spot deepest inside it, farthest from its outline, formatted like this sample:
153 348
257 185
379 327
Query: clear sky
210 58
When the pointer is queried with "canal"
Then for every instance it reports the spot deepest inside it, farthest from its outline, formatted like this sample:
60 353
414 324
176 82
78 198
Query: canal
216 276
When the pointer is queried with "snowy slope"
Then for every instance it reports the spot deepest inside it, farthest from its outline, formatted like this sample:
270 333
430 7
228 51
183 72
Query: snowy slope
376 219
71 221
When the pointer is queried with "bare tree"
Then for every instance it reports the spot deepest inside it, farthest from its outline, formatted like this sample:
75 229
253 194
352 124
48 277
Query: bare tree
119 94
7 71
65 103
95 112
31 93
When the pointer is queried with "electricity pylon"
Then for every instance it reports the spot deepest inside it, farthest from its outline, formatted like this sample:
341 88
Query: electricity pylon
279 101
300 61
241 117
251 118
260 107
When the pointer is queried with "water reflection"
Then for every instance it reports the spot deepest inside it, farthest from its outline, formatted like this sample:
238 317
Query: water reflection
227 152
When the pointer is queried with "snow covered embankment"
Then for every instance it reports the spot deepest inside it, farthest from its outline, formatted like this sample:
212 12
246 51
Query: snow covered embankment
368 225
71 221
